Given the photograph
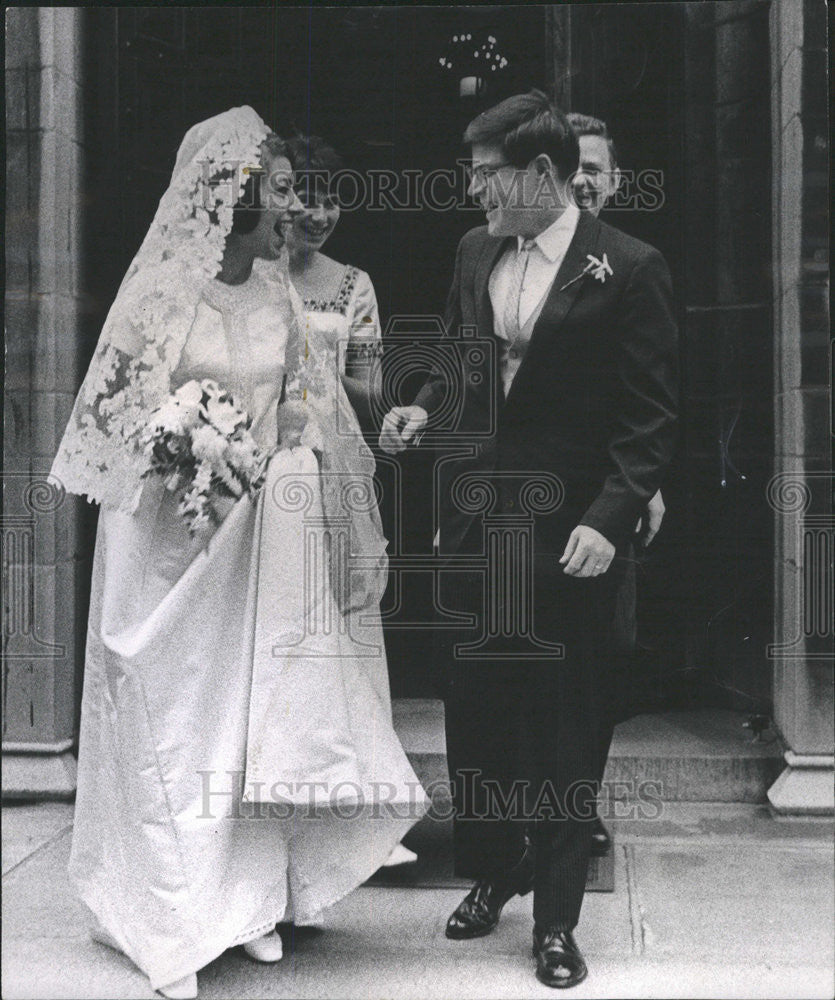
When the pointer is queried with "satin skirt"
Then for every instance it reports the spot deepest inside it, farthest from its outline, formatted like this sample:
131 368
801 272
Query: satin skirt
237 761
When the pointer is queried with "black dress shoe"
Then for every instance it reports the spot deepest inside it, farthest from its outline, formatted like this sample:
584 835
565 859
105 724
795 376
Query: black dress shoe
478 913
600 839
558 959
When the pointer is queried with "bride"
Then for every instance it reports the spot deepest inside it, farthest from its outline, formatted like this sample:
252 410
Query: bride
237 762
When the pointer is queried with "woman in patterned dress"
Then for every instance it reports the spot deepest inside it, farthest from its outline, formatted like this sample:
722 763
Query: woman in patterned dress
339 301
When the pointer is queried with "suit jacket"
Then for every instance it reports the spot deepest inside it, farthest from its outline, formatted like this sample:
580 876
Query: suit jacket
593 403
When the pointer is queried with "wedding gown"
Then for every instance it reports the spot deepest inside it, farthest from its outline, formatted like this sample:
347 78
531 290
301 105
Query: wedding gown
237 761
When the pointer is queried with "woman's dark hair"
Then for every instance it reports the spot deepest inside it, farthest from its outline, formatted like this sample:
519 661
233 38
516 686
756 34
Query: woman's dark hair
525 126
310 152
314 162
246 212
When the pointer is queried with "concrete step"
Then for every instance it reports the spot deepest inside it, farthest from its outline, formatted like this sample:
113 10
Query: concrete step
703 755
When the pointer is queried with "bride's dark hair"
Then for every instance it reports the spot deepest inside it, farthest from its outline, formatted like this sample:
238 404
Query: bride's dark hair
247 209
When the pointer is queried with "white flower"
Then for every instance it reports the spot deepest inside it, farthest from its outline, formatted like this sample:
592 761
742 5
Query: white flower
169 417
207 444
189 397
230 480
202 478
224 415
598 269
244 455
207 386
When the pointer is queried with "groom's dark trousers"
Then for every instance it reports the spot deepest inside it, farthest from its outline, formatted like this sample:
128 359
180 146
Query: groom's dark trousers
523 739
592 407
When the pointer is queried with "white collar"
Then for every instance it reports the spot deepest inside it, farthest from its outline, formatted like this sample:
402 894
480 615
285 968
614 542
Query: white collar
554 240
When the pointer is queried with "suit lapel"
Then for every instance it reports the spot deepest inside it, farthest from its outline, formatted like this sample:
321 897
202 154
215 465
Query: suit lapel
492 250
490 253
560 299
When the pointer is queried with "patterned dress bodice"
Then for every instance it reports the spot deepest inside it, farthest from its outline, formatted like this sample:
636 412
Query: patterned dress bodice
347 320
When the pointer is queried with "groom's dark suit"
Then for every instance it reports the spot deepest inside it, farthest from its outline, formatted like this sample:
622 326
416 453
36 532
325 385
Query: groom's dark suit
594 404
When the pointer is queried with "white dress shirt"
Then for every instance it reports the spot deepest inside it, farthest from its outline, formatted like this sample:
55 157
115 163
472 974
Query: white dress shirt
544 261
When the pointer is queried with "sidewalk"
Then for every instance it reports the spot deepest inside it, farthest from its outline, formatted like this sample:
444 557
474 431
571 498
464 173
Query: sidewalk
709 901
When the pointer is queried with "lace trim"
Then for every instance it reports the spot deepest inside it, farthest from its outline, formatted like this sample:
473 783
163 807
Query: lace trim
147 326
363 352
341 300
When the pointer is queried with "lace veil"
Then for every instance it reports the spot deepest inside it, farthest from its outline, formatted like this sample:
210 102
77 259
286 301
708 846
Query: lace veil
145 330
100 455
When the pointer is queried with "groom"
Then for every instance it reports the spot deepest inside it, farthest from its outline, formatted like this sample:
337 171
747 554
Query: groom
584 391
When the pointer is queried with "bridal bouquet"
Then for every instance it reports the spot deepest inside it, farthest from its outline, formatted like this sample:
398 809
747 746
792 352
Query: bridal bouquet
200 443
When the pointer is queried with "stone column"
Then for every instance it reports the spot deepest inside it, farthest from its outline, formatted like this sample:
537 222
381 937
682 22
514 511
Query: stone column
727 337
558 65
801 492
43 294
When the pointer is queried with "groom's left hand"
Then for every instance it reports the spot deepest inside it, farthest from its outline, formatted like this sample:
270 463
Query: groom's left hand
587 553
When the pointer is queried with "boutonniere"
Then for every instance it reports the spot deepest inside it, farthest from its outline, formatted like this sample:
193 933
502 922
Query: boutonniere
597 268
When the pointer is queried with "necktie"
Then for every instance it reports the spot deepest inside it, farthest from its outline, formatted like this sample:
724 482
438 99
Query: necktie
514 291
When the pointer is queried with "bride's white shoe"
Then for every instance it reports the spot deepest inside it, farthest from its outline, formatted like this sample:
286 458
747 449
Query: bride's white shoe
182 989
265 949
400 855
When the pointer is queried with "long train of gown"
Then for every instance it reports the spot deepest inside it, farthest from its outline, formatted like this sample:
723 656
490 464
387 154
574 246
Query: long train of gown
202 683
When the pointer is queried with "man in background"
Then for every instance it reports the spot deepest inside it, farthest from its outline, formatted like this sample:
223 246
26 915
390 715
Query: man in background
595 183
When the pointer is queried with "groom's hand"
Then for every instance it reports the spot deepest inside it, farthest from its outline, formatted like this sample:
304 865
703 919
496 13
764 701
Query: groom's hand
400 425
588 553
